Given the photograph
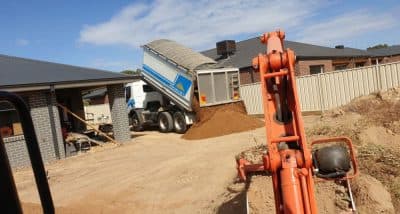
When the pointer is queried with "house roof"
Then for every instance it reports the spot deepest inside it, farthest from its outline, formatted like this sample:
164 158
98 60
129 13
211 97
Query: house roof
181 55
389 51
247 49
22 72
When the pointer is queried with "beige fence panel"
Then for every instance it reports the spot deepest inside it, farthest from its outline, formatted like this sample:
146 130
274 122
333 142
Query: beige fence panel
332 89
252 98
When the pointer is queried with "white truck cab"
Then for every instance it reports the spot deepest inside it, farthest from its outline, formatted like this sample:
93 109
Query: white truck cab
138 94
148 107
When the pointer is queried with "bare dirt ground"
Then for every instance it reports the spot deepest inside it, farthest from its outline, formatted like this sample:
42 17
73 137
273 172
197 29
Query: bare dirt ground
155 173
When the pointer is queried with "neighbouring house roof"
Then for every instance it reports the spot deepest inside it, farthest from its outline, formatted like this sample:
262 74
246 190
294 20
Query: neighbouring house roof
22 73
247 49
389 51
179 54
101 92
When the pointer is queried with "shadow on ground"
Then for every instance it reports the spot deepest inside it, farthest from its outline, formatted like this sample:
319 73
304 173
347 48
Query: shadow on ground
235 205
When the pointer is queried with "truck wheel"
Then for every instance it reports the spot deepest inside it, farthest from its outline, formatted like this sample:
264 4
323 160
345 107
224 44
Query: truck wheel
165 122
136 126
180 122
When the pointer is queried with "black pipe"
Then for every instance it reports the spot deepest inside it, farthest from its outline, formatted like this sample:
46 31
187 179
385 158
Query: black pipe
34 155
8 192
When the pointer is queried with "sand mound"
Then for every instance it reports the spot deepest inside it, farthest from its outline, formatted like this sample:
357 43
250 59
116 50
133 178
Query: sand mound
221 120
373 124
371 196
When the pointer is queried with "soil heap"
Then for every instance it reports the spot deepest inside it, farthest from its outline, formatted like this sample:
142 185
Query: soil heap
221 120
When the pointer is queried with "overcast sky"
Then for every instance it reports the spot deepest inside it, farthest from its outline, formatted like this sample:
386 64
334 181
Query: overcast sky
108 34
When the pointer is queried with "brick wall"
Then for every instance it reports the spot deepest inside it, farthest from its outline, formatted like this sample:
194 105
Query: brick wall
391 59
248 75
48 132
16 151
119 114
41 104
303 66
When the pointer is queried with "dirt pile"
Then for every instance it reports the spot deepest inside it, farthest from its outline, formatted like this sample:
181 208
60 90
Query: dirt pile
221 120
371 196
373 124
254 154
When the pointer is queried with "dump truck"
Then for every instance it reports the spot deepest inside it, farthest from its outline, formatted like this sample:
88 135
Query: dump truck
176 82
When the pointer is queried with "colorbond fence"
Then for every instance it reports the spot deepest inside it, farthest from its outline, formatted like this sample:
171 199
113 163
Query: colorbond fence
332 89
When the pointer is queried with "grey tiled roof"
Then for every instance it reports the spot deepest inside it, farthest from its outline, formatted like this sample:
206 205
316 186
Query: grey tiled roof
247 49
389 51
16 71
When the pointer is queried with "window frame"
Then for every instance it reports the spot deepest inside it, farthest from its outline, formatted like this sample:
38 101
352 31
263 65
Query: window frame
321 68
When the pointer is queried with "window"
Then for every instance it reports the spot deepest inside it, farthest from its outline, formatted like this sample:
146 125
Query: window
9 120
340 67
127 93
147 88
316 69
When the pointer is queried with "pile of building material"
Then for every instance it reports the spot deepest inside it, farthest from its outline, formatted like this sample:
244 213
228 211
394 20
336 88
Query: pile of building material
221 120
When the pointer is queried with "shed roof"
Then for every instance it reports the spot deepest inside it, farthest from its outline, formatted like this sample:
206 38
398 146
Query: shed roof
22 72
99 92
247 49
181 55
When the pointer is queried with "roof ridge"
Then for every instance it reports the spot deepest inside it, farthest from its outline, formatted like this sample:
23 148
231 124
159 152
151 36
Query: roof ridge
303 43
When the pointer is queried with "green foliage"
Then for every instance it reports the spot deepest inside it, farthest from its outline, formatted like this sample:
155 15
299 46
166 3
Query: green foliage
379 46
130 72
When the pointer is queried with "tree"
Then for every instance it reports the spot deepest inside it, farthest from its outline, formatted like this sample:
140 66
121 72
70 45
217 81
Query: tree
379 46
130 72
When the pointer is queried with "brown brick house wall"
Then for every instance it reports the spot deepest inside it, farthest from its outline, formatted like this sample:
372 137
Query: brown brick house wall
248 75
303 66
391 59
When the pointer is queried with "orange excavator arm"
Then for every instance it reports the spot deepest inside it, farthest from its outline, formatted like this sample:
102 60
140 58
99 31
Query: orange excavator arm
288 159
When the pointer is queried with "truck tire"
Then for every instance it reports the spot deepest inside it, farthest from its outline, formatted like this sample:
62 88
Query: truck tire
136 125
180 122
165 122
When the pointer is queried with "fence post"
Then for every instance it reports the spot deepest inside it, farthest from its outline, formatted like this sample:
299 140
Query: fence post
378 75
320 94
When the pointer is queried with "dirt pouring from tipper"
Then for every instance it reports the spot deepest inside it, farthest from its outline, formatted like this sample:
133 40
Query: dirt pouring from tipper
221 120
